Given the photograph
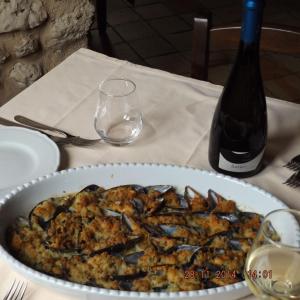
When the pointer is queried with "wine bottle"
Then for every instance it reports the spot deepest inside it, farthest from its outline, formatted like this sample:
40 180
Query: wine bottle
239 128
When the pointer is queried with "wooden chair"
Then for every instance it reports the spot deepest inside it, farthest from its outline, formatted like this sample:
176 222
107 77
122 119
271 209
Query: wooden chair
284 40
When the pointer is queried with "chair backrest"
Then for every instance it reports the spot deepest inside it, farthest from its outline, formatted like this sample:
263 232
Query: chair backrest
283 40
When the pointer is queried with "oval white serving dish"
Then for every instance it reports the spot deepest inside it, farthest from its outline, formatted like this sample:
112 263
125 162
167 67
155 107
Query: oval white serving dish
21 200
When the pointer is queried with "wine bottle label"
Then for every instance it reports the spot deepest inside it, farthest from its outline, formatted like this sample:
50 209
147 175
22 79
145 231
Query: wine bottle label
248 166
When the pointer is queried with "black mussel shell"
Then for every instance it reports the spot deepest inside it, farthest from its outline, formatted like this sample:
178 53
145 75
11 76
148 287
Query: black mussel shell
161 203
182 201
138 205
138 188
231 217
200 214
240 276
191 248
236 244
90 188
111 213
93 284
190 193
125 285
169 230
159 188
211 267
129 277
208 284
126 222
119 247
167 211
64 252
44 224
248 215
153 230
133 257
212 199
160 288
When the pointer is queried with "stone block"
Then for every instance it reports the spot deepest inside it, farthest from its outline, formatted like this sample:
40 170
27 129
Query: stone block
26 46
71 26
3 56
21 14
24 74
52 57
37 14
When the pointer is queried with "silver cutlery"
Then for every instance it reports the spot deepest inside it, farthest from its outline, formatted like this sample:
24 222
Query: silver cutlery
294 180
294 163
56 139
16 291
75 140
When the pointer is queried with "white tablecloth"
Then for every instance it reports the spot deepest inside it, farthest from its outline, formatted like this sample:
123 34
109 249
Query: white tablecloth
177 116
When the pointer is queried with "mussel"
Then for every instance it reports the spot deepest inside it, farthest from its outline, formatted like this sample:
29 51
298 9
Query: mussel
91 188
139 205
196 202
129 277
133 257
162 189
181 230
153 230
43 216
231 217
218 203
111 213
160 289
118 247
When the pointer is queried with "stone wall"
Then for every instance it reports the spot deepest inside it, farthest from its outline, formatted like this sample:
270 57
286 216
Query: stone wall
36 35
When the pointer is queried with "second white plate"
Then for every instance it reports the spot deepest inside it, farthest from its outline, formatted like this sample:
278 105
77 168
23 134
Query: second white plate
24 155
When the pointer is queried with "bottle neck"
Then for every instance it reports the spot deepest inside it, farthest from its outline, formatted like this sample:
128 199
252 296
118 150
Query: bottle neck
252 21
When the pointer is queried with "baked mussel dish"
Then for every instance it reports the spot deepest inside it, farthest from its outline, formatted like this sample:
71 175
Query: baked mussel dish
137 238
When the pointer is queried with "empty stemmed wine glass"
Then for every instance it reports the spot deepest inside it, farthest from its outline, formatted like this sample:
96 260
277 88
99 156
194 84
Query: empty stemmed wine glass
118 118
272 268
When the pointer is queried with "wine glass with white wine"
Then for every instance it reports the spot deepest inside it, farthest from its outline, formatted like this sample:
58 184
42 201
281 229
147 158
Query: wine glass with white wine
272 268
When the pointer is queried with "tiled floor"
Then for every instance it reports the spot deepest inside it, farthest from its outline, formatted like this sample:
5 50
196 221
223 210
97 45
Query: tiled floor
158 33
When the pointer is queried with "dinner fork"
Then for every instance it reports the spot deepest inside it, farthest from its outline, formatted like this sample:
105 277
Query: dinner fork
16 291
75 140
294 163
294 180
57 139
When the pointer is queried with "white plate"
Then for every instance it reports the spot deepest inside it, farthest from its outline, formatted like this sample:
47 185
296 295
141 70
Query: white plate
24 155
246 195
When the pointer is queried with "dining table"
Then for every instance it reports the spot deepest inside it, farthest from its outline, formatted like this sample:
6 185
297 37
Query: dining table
177 115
